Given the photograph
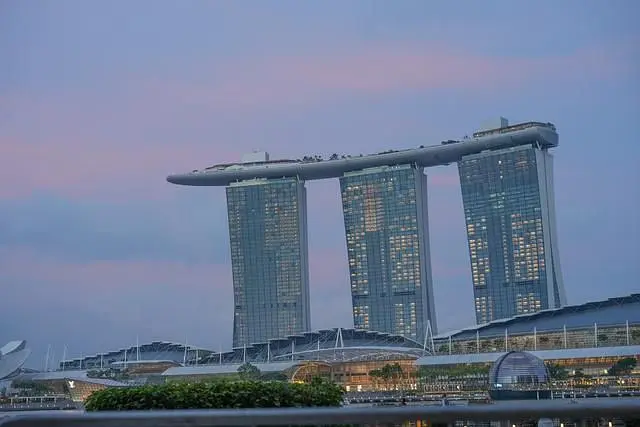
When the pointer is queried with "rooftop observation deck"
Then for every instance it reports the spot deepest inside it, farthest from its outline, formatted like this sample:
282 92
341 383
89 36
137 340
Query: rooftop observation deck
543 134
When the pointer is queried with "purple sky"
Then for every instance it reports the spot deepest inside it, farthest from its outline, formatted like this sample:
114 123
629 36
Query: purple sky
99 101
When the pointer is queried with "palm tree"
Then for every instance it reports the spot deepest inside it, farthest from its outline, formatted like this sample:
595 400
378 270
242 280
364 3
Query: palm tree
376 375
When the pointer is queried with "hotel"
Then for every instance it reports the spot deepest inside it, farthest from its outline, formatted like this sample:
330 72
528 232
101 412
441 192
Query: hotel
511 229
507 188
386 226
269 259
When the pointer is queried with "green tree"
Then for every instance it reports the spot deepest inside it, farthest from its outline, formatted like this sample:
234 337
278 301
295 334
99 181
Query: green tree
623 367
389 374
30 388
557 372
274 376
247 371
376 376
392 374
579 374
216 395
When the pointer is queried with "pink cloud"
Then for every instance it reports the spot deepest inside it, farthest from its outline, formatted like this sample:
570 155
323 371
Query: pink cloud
78 168
116 143
380 70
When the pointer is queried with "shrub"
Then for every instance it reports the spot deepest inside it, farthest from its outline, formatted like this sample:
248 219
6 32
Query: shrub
216 395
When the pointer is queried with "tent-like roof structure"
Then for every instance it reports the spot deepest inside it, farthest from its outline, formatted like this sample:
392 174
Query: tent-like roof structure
13 355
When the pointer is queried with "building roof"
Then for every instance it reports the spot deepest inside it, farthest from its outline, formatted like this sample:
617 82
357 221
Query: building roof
12 346
13 355
612 311
231 368
323 345
571 353
59 375
326 344
445 153
79 376
153 352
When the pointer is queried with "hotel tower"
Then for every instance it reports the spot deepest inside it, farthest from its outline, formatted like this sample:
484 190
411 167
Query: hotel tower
509 209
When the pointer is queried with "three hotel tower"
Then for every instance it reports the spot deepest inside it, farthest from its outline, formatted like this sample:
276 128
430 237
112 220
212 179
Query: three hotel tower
510 222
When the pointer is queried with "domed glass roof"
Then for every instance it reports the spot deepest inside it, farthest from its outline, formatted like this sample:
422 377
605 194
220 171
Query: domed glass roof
518 370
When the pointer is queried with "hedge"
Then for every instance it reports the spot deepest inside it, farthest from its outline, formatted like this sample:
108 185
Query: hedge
216 395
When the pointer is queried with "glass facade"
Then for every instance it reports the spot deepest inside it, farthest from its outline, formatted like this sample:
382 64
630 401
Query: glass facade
386 225
509 210
518 369
269 258
598 335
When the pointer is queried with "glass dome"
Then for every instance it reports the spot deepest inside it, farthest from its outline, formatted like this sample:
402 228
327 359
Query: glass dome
518 370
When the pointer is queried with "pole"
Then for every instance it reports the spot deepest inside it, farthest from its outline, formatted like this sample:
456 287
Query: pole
46 360
64 357
628 335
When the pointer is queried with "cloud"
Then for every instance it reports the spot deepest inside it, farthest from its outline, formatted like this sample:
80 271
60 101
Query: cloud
83 169
103 278
192 230
138 296
382 70
109 302
152 294
122 141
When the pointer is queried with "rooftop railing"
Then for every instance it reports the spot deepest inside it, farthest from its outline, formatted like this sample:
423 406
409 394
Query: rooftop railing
516 413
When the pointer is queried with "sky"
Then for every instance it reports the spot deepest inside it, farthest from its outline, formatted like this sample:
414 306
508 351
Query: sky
101 100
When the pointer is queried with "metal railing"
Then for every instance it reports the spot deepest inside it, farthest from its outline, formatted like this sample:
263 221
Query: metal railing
628 408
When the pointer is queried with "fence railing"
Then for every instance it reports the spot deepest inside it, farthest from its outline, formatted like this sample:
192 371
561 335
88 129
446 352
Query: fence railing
501 411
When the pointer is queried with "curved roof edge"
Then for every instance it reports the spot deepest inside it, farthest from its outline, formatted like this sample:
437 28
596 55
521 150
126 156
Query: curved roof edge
143 347
311 334
632 298
12 346
434 155
11 363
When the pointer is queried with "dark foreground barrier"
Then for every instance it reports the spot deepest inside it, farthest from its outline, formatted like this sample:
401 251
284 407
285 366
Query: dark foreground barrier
514 412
